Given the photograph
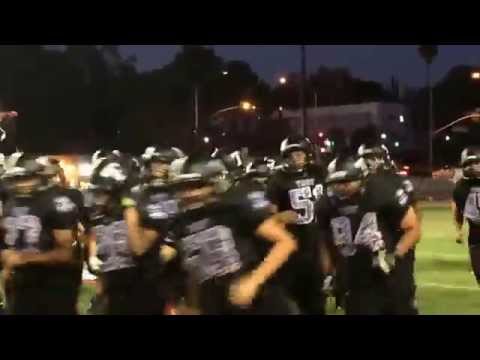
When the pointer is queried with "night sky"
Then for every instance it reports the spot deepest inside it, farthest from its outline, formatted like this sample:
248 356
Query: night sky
370 62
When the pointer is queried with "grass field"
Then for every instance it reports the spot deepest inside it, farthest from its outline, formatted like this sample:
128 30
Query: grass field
445 283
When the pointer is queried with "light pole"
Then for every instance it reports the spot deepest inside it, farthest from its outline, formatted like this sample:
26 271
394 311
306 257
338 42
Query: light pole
196 92
195 96
244 105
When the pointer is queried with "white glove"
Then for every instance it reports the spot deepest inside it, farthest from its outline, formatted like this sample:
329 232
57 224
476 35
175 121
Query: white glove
384 261
95 263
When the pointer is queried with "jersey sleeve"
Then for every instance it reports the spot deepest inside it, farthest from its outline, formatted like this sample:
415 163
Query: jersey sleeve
62 213
252 206
394 201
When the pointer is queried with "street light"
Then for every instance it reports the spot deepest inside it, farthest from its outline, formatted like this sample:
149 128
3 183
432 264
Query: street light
206 139
280 108
397 144
447 138
224 73
383 136
475 75
402 119
282 80
247 106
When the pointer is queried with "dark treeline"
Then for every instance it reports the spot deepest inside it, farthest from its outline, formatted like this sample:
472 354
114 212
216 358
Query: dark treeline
85 97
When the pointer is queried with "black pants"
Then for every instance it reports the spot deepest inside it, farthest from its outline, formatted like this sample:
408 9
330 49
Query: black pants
303 281
271 300
129 293
43 293
474 250
392 294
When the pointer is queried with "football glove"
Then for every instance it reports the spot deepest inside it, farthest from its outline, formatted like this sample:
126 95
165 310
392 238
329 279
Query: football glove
95 264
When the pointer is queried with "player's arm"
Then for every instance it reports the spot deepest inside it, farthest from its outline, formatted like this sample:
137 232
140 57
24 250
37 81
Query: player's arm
139 239
411 233
272 230
458 221
61 254
284 244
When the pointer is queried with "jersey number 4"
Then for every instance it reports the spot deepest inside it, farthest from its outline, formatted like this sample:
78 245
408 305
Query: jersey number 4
302 199
367 235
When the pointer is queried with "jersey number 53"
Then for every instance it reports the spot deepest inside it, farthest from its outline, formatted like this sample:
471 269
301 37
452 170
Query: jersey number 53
302 200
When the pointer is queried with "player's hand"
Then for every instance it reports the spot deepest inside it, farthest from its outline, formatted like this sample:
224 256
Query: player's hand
8 115
385 261
167 253
329 285
95 264
243 291
459 237
11 259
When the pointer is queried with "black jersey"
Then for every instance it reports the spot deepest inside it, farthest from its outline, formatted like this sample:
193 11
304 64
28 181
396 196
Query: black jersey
111 233
155 204
401 182
365 224
466 196
28 224
219 240
297 191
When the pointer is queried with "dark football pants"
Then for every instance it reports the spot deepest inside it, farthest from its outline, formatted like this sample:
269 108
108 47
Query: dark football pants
50 297
128 293
386 295
474 250
213 298
303 281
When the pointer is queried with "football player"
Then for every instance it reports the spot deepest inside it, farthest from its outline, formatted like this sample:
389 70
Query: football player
296 187
146 206
109 245
465 205
375 229
217 235
37 251
378 161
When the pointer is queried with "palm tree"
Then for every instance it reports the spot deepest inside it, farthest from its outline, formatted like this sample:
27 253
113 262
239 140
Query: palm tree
428 54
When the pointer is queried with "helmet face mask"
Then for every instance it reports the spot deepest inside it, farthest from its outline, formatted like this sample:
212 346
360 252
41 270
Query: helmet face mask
158 170
377 158
470 162
297 151
472 170
25 186
346 176
347 189
297 159
195 196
